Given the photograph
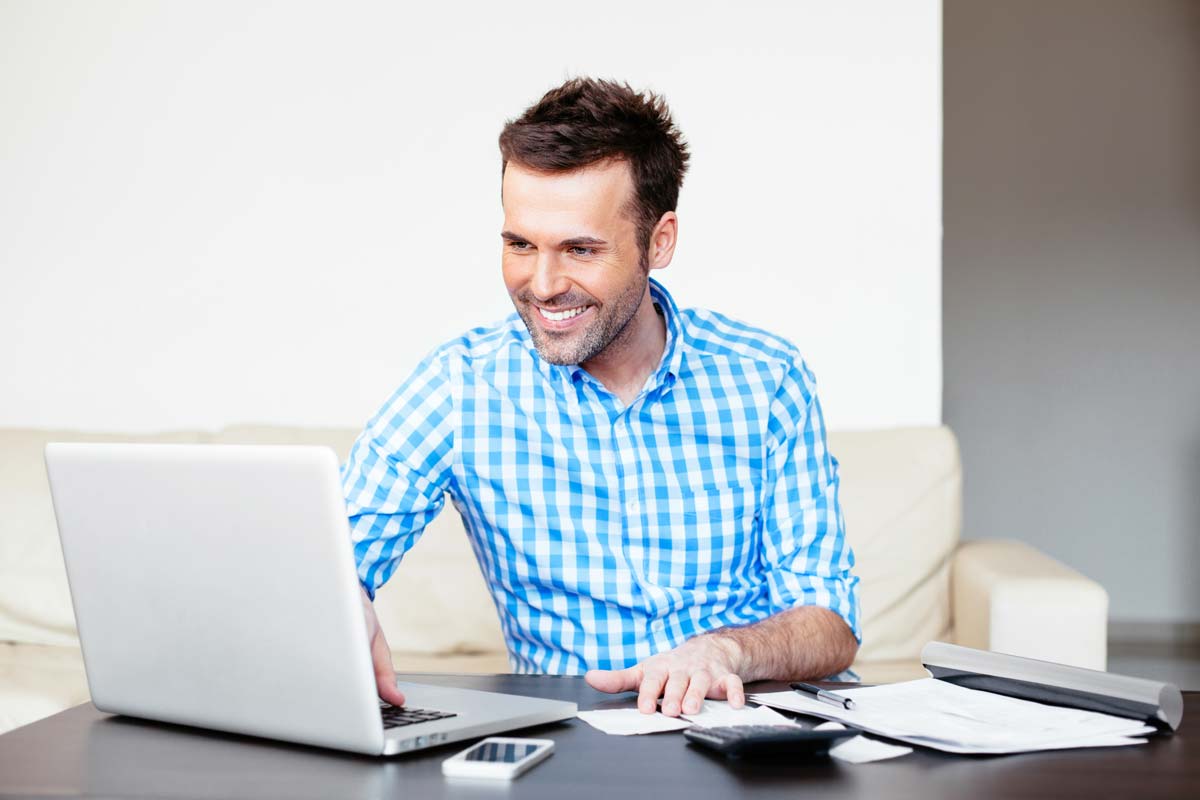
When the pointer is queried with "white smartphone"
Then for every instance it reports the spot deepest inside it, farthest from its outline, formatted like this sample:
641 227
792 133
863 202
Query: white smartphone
497 757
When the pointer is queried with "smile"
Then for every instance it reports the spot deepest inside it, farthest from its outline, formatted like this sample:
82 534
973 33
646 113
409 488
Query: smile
560 316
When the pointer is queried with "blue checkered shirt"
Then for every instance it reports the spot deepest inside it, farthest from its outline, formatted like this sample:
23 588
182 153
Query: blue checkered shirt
607 532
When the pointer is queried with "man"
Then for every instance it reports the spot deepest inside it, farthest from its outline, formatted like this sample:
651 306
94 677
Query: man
647 488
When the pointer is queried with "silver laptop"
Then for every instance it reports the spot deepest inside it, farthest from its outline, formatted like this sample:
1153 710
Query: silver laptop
214 585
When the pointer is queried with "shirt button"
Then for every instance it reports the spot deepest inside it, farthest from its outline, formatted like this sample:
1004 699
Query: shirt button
632 506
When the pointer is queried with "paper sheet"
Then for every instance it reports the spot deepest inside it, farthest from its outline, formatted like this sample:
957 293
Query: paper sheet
630 721
938 714
718 713
862 749
714 713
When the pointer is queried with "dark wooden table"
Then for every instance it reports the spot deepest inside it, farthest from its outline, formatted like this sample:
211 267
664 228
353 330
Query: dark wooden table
83 752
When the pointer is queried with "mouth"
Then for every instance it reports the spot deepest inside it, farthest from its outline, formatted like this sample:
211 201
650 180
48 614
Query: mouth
562 319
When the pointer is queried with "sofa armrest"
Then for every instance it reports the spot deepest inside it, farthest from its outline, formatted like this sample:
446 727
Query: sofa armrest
1010 597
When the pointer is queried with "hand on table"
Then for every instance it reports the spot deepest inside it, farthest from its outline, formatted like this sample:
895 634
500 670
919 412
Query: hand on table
705 666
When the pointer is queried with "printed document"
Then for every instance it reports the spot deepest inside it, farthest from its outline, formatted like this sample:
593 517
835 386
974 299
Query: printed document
952 718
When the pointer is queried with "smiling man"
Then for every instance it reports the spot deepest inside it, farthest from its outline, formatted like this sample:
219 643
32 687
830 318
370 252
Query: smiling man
647 487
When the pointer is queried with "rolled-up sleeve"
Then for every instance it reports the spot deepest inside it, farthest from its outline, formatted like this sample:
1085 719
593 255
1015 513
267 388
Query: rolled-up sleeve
399 469
807 559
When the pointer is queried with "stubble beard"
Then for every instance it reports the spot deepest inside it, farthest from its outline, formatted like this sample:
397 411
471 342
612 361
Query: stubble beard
606 330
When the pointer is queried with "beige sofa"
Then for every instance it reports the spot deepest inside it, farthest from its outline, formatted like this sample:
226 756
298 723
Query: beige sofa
901 491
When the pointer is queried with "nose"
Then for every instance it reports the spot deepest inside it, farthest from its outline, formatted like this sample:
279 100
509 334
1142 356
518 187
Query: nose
549 278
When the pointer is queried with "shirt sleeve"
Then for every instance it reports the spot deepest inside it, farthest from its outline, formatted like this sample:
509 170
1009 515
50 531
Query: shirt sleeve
399 469
804 544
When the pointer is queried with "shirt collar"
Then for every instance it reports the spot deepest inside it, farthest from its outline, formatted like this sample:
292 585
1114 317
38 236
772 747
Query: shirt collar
668 366
672 357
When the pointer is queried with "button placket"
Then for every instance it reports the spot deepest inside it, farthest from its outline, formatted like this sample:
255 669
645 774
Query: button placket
630 486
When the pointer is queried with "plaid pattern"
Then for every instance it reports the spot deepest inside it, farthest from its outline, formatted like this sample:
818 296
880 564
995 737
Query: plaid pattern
607 532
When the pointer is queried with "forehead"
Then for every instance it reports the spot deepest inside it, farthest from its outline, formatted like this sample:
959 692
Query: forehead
594 198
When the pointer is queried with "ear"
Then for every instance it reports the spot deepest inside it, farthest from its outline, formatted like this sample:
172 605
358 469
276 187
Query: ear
662 240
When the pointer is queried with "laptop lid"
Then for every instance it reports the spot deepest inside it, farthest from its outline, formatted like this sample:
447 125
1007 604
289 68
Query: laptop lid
214 585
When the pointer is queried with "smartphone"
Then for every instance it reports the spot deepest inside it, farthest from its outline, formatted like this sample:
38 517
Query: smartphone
498 758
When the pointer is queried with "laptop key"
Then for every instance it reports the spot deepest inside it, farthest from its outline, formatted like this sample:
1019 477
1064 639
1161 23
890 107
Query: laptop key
394 717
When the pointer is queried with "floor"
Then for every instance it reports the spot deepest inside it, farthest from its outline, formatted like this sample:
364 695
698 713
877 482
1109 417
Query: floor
1172 663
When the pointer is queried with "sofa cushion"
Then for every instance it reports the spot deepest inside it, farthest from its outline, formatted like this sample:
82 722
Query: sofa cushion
37 681
340 439
35 604
900 492
901 495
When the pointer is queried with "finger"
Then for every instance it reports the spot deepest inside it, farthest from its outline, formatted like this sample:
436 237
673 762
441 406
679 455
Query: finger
650 690
385 673
388 691
677 684
734 693
697 690
614 680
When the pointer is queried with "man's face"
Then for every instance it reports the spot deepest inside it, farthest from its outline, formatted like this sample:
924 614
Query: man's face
571 260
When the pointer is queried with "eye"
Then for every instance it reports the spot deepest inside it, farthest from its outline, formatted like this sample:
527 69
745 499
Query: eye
581 251
519 246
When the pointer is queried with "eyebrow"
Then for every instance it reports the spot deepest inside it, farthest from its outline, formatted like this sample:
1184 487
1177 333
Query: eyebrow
577 241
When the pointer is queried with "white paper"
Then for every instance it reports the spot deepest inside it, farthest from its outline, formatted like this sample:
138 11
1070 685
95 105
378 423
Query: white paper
861 749
718 713
942 715
630 721
714 713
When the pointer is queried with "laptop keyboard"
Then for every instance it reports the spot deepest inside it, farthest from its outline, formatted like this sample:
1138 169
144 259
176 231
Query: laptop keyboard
394 717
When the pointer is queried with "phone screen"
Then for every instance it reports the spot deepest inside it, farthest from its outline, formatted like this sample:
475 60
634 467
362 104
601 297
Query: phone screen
500 752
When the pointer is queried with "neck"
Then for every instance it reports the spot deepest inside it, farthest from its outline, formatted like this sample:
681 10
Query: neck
627 362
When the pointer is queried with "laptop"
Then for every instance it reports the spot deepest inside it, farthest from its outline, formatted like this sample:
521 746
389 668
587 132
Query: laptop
215 586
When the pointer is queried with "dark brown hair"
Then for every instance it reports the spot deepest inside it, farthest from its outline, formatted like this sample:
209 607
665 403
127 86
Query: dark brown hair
586 121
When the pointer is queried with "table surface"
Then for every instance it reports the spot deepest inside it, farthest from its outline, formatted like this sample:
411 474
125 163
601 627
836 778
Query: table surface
84 752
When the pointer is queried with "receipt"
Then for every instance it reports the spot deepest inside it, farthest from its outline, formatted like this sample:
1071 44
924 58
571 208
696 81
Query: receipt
860 749
714 713
631 722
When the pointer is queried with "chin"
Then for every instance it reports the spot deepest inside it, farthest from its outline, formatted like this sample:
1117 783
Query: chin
555 357
560 353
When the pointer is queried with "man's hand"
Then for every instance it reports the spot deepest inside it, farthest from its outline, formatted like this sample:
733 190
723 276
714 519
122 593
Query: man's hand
381 656
706 666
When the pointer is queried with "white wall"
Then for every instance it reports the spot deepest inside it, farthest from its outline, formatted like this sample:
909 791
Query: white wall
223 212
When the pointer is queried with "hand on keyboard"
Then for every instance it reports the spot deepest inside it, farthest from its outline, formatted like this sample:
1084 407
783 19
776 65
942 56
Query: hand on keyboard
381 656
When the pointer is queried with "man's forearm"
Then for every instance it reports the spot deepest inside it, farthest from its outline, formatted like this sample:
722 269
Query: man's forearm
804 643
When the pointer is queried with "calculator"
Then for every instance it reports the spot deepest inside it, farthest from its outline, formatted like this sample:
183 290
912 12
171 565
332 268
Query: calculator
746 741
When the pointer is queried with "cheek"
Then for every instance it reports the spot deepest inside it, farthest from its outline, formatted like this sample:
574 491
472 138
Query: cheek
514 271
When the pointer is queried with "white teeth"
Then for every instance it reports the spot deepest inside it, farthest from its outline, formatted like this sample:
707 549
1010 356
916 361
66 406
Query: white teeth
559 316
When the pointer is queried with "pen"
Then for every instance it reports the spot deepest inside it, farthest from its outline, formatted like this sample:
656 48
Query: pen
823 695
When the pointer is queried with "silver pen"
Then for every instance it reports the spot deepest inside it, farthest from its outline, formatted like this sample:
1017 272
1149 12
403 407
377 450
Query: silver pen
824 695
